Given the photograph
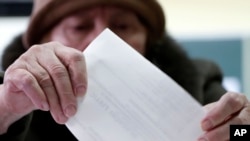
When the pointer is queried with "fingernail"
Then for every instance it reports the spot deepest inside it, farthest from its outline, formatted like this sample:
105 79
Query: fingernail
45 106
61 119
70 110
207 124
80 91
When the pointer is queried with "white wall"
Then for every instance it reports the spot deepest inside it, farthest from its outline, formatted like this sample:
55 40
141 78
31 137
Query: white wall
9 27
207 17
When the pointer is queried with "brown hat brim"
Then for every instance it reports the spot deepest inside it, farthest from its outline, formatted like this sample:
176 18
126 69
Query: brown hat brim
47 17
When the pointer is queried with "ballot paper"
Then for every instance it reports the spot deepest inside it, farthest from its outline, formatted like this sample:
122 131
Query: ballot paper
130 99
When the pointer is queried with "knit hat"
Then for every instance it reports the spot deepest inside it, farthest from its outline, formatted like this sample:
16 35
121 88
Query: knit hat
47 13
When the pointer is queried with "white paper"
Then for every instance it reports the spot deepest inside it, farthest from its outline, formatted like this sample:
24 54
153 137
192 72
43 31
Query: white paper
129 99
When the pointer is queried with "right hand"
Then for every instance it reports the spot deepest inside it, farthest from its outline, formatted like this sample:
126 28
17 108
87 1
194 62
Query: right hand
46 77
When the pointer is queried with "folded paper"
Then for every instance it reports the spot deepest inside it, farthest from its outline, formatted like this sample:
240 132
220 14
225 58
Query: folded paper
129 99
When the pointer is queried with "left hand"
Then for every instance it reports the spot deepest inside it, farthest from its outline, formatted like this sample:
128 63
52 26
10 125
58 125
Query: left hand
232 108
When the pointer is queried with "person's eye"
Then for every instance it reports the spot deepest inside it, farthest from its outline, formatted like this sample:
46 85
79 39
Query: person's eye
82 27
121 26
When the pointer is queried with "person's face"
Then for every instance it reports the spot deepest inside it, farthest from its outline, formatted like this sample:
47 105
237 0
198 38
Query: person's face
79 29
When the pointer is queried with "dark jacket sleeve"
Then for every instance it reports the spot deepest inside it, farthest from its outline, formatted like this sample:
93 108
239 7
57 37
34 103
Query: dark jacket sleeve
17 131
210 80
1 77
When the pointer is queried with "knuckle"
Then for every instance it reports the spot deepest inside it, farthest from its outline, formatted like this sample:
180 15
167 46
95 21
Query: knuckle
53 44
22 77
39 47
234 101
19 82
26 79
45 82
247 108
58 71
76 56
35 48
24 58
243 116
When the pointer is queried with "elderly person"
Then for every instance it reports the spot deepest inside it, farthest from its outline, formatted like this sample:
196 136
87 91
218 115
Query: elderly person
43 79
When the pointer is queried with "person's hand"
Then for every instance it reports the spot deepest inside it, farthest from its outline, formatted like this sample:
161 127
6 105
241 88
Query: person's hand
47 77
232 108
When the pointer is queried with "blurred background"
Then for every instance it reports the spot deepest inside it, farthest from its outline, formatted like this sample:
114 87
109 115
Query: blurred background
218 30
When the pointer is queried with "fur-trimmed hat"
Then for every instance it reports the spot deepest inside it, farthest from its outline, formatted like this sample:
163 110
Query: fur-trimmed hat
47 13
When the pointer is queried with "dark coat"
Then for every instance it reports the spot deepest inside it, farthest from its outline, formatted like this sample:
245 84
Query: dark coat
201 78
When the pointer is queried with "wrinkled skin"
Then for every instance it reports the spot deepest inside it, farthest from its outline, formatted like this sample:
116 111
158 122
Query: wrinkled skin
45 78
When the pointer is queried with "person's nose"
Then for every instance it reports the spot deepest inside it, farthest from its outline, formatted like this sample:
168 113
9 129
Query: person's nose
98 28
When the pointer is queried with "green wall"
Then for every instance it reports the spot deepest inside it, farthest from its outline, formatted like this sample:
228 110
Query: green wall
227 53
